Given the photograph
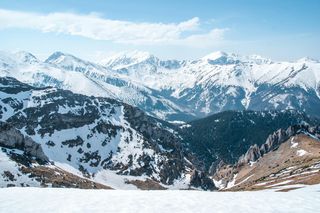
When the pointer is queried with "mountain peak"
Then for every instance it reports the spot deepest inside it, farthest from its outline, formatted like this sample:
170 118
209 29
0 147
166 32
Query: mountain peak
215 55
128 58
54 57
72 63
307 59
60 57
258 59
221 58
26 57
137 54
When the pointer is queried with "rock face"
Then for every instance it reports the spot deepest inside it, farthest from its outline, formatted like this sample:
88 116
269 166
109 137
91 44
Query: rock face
201 180
12 138
252 154
275 140
287 156
94 135
295 162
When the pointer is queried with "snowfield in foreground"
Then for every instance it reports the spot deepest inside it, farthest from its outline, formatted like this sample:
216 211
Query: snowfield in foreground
75 200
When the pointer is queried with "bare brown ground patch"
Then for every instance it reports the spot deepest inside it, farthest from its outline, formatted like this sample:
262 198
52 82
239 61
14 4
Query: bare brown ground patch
147 184
60 178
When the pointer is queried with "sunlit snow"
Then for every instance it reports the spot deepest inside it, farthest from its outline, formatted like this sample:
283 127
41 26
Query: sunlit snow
74 200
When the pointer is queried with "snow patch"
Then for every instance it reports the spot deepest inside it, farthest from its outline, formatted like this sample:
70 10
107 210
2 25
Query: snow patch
301 152
293 143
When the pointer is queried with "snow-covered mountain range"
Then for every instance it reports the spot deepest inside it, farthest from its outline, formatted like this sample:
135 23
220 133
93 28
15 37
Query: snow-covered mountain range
52 137
178 90
100 139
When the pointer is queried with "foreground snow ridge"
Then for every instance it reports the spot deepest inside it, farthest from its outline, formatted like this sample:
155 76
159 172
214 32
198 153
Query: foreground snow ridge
75 200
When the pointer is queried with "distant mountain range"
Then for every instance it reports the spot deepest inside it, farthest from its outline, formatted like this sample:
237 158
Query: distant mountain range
178 90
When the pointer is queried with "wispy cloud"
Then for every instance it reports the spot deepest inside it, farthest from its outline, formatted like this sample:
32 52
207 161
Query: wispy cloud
94 26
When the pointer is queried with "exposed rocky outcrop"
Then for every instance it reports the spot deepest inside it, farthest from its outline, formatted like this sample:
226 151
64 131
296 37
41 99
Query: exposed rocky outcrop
295 162
283 154
275 140
201 180
12 138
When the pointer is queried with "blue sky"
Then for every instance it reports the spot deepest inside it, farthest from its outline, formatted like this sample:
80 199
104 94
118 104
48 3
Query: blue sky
281 30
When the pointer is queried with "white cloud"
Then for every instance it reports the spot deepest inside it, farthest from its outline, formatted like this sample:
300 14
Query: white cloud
212 38
95 27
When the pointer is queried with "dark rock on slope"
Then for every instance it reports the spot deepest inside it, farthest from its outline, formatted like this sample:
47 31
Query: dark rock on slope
12 138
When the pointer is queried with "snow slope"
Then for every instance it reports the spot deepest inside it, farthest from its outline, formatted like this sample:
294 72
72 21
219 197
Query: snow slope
73 200
19 179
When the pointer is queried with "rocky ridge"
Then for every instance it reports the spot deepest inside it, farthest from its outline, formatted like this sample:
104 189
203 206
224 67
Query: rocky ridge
288 156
